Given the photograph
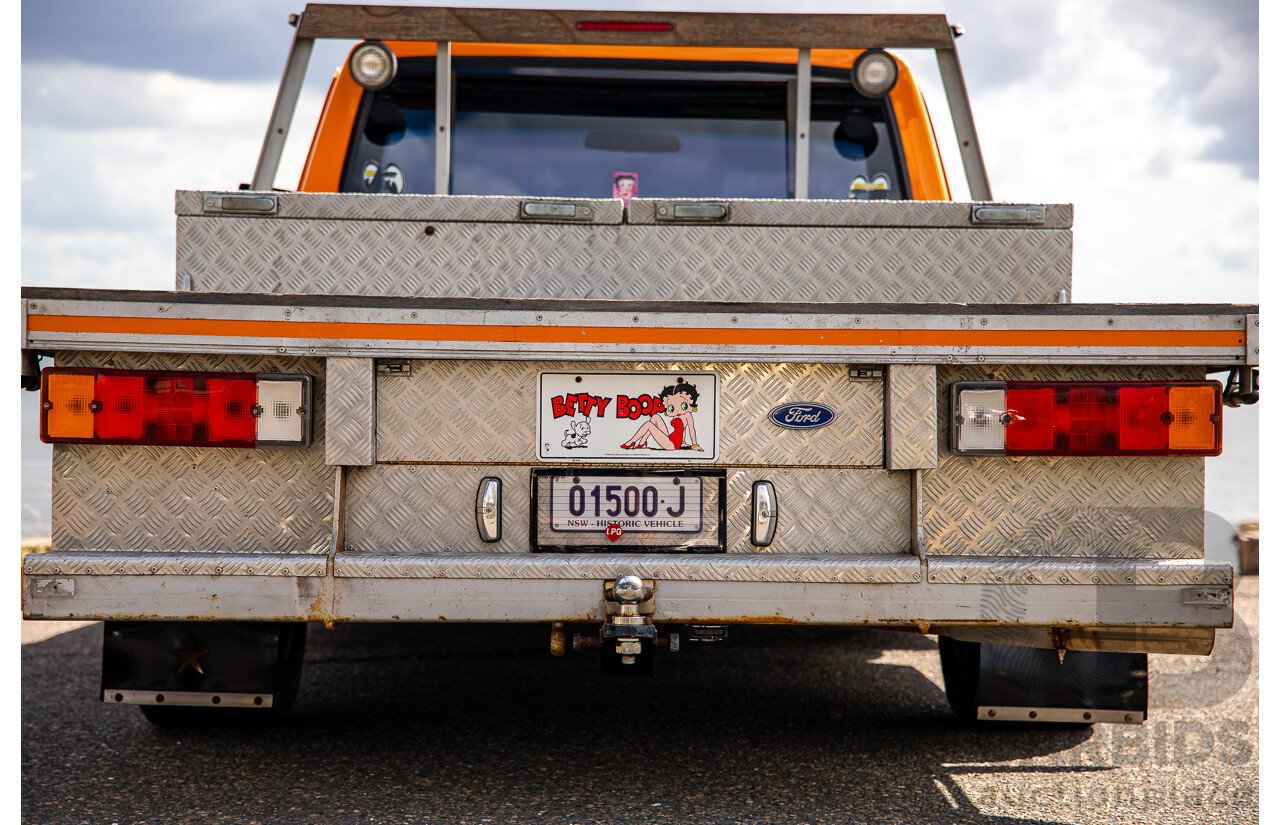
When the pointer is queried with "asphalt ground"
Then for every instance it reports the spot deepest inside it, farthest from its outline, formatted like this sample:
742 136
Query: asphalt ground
457 724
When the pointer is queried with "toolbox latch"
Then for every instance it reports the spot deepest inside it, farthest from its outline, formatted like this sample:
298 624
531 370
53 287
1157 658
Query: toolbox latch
555 210
703 212
255 204
1000 215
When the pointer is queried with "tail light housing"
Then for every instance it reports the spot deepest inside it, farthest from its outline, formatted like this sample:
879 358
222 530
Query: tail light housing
1015 418
187 409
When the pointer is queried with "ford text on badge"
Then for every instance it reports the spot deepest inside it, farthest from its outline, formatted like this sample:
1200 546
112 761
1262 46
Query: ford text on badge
802 416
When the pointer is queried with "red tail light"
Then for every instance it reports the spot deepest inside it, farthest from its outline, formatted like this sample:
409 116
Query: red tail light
193 409
1087 418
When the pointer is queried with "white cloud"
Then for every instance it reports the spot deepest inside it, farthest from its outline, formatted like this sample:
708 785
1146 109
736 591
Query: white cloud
98 259
1156 219
103 152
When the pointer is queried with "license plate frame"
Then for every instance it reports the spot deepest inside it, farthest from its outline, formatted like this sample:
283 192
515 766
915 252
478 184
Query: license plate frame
710 538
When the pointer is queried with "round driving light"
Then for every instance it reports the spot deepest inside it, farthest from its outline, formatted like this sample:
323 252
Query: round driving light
372 65
874 73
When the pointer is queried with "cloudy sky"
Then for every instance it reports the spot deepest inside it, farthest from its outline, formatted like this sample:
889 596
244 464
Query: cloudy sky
1143 114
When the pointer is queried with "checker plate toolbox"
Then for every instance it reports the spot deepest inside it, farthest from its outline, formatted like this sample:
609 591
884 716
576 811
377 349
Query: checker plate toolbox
428 325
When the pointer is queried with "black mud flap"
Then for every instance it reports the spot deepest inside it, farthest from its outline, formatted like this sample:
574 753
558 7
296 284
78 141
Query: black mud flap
202 664
1006 683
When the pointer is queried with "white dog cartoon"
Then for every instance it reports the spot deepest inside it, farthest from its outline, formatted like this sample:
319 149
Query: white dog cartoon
576 435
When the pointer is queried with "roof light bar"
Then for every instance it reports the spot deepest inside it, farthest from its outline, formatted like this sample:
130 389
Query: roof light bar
1093 418
189 409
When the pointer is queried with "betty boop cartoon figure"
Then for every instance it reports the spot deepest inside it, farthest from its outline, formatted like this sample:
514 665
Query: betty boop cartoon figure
679 403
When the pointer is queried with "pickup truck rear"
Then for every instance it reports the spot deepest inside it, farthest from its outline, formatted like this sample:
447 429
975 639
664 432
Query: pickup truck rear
634 401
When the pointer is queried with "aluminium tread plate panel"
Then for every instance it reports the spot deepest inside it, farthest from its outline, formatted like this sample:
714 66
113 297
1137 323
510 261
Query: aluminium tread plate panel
420 510
682 263
349 437
411 208
485 412
911 432
777 212
194 499
1062 506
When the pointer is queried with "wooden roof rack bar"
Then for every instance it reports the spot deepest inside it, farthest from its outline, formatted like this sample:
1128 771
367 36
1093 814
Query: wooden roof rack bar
563 27
733 29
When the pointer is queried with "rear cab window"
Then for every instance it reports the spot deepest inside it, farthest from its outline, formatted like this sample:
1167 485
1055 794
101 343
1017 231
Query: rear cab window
590 128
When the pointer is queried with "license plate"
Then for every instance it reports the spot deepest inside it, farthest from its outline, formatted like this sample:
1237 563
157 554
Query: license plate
620 510
617 505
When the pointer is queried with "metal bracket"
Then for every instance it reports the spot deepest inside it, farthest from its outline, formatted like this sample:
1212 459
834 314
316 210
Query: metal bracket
1252 346
917 518
804 93
52 588
339 513
444 116
975 171
392 369
996 713
1213 596
866 374
295 71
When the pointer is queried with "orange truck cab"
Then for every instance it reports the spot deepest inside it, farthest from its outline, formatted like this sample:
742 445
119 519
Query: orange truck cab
686 122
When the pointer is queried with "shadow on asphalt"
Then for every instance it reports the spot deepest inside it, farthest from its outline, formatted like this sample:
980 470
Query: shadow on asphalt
457 723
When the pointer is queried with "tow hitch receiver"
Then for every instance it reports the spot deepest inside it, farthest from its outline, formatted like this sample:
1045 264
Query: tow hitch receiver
627 639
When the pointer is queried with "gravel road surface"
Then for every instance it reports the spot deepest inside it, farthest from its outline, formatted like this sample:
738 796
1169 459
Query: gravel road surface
455 724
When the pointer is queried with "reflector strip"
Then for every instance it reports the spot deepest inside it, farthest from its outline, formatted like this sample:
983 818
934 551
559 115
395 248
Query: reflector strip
192 409
1087 418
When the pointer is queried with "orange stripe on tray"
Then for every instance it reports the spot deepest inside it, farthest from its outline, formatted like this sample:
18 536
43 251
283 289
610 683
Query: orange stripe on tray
498 333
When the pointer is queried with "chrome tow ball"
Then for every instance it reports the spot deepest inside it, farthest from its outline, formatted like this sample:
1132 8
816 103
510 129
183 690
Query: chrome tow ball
630 634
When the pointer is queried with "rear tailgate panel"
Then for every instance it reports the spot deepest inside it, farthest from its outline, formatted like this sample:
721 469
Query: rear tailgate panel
485 412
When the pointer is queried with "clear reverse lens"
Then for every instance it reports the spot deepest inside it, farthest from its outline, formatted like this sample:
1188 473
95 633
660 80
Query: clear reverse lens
281 402
373 65
983 427
875 73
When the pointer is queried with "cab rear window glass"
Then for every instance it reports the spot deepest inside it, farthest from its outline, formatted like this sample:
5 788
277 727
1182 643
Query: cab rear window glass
574 129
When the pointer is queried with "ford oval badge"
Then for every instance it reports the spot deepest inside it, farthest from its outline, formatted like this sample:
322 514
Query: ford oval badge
802 416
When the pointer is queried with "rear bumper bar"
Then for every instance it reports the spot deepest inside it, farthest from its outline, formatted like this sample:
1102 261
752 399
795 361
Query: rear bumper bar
732 588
